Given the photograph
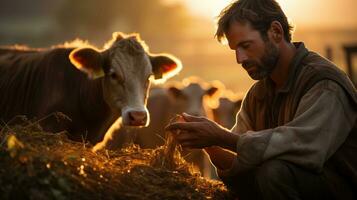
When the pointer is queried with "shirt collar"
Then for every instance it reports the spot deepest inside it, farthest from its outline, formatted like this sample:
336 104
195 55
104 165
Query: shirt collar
295 66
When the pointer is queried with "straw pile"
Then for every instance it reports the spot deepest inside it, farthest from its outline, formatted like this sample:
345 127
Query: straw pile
40 165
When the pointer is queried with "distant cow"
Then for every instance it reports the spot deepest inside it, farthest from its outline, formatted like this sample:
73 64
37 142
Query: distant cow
225 113
163 104
93 88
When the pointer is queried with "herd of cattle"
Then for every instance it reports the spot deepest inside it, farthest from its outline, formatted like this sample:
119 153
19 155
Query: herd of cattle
106 94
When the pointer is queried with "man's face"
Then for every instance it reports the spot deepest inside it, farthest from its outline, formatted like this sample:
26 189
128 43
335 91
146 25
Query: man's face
257 56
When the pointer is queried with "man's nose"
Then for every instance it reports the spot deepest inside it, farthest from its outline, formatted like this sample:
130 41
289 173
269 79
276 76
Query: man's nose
240 56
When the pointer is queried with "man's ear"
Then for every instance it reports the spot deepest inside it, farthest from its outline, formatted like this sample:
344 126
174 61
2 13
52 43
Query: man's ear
89 61
165 66
276 31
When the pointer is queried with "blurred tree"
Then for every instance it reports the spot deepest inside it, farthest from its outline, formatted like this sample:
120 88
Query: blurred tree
95 19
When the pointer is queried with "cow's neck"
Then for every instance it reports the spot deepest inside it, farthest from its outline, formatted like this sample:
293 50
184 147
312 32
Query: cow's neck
96 112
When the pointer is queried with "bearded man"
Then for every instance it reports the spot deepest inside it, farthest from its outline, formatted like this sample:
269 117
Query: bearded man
295 135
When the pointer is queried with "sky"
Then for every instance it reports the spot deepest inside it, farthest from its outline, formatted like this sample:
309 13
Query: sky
303 13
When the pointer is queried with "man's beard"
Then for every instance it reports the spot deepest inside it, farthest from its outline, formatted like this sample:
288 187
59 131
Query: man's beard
267 62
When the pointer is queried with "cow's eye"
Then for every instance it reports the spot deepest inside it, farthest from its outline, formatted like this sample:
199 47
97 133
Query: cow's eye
113 75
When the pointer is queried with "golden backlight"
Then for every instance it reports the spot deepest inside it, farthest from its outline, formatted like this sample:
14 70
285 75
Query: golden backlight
306 13
320 24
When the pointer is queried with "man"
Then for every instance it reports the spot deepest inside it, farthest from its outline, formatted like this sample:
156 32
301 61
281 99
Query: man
295 136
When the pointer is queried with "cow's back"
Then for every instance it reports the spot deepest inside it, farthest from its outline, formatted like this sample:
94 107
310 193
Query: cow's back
21 72
39 83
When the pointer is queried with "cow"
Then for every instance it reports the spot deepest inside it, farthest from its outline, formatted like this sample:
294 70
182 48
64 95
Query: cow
164 103
92 87
225 113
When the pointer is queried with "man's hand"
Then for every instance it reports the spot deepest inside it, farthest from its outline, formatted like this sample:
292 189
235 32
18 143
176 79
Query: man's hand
200 132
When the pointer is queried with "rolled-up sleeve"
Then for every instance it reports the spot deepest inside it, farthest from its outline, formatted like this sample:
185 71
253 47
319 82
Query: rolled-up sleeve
322 122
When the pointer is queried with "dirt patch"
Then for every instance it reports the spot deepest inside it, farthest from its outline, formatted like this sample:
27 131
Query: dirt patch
40 165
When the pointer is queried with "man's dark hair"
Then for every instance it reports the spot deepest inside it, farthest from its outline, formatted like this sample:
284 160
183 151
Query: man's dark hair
259 13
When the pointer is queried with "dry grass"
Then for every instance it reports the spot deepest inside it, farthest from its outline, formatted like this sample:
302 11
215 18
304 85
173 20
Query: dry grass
40 165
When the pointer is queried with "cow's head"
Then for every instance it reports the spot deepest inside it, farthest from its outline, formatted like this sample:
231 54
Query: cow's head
192 97
225 113
127 70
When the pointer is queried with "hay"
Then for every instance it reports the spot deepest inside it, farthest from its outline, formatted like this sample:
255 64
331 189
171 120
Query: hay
40 165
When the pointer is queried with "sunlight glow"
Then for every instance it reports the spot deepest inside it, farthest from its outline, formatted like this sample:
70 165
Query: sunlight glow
307 13
207 8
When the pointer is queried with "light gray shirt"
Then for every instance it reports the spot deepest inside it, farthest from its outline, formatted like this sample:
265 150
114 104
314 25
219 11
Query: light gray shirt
323 120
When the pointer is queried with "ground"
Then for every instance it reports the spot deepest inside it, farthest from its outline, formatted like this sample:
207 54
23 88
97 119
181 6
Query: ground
40 165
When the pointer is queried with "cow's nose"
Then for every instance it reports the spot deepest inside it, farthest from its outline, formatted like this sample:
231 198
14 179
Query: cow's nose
138 118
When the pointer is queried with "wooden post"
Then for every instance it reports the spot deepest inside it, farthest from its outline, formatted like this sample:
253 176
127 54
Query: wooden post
349 51
328 51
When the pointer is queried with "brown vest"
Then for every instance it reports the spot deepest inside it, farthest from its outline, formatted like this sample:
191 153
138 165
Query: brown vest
272 110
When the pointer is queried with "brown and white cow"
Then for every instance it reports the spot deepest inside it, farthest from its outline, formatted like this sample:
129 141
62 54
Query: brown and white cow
92 87
189 98
225 113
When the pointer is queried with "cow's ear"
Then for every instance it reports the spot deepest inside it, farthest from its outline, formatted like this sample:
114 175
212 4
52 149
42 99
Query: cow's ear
174 91
89 61
212 91
164 66
238 103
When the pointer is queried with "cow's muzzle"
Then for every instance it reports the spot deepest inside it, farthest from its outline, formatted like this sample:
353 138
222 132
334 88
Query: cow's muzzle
135 118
